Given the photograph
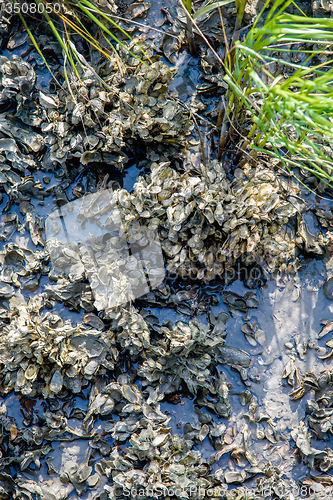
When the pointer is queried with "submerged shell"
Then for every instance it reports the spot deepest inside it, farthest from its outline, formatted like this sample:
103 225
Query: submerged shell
328 289
56 382
6 290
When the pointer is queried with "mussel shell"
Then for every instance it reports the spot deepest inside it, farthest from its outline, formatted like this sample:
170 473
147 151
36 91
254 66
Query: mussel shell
328 289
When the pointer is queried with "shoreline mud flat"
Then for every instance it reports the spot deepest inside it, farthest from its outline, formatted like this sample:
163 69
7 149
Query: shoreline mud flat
216 382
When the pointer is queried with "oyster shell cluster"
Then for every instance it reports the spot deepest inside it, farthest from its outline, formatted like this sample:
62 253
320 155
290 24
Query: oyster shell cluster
129 106
207 222
43 353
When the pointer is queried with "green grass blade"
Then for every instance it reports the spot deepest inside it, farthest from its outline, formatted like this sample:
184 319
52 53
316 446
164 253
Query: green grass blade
34 42
210 7
188 5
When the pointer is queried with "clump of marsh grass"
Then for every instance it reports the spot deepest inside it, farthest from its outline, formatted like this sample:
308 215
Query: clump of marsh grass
288 115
